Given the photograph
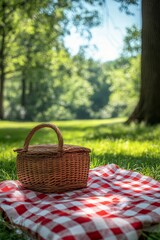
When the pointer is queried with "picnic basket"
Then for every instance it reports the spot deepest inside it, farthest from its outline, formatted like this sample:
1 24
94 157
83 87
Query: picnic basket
52 167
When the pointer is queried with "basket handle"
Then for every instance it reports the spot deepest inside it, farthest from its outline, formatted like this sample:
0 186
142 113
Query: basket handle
43 125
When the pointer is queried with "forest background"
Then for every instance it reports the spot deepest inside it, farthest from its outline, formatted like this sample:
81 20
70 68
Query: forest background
42 81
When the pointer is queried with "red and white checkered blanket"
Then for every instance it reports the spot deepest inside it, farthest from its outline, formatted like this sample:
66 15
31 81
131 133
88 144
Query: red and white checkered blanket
117 204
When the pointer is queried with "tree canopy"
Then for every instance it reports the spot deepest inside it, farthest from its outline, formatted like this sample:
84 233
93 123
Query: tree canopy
40 80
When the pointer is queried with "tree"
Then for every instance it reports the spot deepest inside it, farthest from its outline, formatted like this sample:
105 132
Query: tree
58 16
11 14
97 93
7 24
37 39
148 107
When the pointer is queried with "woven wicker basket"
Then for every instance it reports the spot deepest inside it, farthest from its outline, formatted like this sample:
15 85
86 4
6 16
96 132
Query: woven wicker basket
52 168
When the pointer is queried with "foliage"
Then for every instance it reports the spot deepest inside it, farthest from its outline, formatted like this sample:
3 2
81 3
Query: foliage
41 81
31 31
125 4
131 147
75 87
96 75
125 85
132 42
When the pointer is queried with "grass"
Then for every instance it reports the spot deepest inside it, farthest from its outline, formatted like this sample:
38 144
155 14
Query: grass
131 147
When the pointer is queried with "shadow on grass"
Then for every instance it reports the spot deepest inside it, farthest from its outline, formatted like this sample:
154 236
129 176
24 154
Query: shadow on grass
149 165
124 159
121 131
104 131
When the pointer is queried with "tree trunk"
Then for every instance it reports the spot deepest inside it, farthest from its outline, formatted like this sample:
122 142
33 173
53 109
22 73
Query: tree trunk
24 73
148 107
2 77
2 65
23 96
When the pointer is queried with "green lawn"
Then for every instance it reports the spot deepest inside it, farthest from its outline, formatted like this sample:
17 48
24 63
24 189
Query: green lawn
131 147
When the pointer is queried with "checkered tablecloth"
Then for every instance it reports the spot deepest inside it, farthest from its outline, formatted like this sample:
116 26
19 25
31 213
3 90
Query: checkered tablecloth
117 204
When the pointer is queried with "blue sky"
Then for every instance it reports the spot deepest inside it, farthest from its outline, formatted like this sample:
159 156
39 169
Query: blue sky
108 37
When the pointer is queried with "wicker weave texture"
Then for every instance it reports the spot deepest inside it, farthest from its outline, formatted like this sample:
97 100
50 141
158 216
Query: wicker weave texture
58 172
54 175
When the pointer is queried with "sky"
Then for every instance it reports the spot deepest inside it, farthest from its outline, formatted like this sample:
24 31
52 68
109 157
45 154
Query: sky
108 37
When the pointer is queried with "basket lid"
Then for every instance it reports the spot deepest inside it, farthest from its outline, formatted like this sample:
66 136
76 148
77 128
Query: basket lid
51 149
48 149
